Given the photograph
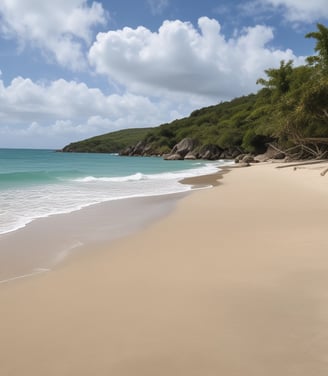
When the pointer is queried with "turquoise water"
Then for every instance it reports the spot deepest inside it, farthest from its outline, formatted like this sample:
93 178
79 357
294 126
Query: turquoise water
39 183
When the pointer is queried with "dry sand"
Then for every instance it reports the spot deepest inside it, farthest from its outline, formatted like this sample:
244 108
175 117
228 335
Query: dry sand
234 282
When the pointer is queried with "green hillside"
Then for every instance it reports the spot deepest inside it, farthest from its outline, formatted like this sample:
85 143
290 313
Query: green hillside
228 125
112 142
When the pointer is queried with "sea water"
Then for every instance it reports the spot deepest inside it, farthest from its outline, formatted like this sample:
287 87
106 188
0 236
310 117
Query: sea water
40 183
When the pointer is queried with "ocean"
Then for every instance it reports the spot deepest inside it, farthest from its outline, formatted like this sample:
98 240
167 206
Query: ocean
40 183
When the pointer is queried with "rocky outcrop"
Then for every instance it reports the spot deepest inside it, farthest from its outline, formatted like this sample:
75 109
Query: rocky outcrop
271 153
187 149
248 159
172 157
184 147
140 149
210 152
190 156
182 150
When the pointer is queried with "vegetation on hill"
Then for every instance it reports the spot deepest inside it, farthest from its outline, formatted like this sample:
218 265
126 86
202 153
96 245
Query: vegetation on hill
291 111
108 143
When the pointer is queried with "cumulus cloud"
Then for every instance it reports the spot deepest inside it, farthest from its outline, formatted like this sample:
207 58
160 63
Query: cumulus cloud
180 58
62 111
300 10
60 28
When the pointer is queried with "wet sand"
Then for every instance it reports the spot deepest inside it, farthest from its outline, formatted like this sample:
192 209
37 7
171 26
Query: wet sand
233 282
44 243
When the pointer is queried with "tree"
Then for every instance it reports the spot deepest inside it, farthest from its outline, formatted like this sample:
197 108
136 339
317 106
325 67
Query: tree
321 47
279 79
305 114
315 101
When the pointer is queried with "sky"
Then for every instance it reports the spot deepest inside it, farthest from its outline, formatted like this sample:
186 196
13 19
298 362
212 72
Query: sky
72 69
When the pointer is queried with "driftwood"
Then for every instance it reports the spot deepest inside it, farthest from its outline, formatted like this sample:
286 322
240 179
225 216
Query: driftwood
321 140
305 148
302 163
323 173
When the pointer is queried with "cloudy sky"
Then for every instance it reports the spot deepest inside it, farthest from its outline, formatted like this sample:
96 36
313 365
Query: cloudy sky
71 69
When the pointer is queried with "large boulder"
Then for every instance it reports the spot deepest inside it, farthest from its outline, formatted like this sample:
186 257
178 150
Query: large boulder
270 153
139 148
239 158
147 151
172 157
183 147
248 159
210 152
127 151
190 156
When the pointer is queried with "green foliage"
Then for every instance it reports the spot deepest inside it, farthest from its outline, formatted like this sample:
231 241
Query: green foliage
279 80
108 143
306 114
229 138
315 100
255 143
321 47
222 125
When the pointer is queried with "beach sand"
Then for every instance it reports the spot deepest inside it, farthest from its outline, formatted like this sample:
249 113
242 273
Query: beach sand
233 282
46 242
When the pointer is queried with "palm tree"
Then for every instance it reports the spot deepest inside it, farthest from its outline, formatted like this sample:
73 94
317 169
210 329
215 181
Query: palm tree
279 80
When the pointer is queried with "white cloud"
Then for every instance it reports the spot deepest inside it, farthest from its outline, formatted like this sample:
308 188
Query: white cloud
60 27
182 59
300 10
59 112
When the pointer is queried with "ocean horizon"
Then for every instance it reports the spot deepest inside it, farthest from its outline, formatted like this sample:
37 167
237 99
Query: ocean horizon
37 183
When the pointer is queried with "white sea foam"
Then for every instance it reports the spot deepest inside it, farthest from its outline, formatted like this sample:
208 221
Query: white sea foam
177 175
135 177
20 206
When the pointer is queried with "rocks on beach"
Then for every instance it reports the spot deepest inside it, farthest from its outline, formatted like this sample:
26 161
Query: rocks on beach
188 149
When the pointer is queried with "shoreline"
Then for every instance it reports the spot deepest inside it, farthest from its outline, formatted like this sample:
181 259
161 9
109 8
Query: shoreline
51 240
233 282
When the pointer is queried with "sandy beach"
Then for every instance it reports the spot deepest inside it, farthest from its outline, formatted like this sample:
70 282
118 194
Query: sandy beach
46 242
232 282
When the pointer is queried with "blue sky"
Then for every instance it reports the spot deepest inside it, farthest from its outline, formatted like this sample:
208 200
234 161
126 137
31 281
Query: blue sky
71 69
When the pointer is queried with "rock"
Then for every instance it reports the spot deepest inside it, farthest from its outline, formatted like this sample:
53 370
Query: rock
248 159
133 150
190 156
172 157
208 155
270 153
147 151
210 152
261 158
239 158
279 155
139 148
127 151
183 147
235 153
